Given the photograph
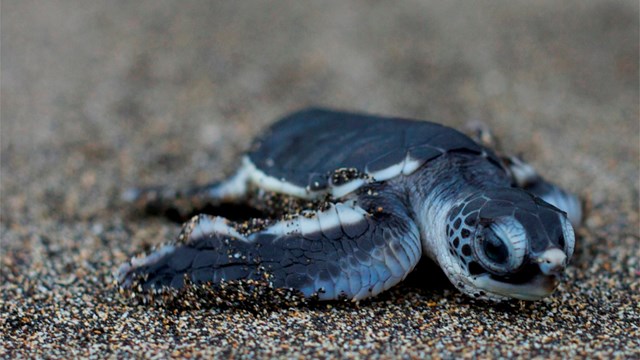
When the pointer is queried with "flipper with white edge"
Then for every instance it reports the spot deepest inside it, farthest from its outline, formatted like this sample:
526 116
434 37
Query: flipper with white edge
527 178
343 251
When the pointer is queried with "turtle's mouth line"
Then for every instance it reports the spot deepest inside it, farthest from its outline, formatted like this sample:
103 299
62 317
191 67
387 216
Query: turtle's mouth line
536 288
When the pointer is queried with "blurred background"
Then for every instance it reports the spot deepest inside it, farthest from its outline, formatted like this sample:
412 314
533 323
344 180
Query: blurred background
97 96
150 91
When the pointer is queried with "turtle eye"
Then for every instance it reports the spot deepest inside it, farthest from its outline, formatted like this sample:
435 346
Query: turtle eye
500 246
494 248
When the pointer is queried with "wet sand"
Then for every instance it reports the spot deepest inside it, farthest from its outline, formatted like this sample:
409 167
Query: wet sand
97 98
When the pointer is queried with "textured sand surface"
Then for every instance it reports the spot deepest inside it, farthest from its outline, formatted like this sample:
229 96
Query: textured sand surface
99 96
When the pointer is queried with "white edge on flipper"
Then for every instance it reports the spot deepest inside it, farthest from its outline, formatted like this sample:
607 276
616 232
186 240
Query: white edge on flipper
387 173
524 174
250 174
406 167
349 214
136 262
206 225
234 187
344 189
566 202
201 226
341 214
271 183
328 219
411 165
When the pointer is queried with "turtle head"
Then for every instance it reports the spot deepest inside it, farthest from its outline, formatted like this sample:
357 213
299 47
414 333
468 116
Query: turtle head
507 244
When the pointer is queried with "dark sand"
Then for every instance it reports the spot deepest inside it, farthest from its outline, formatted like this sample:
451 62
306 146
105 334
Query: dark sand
98 97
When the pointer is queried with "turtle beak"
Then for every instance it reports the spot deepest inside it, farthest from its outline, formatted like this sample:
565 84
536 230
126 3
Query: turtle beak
552 261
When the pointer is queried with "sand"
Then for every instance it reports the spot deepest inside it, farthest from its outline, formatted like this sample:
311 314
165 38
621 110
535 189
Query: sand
99 96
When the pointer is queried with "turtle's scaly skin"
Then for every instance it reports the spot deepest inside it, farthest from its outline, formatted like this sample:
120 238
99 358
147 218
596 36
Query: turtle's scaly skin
354 202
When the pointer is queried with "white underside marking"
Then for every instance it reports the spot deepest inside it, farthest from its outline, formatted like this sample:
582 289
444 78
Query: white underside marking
349 214
215 225
344 189
388 173
328 219
250 174
298 225
406 167
271 183
411 165
340 214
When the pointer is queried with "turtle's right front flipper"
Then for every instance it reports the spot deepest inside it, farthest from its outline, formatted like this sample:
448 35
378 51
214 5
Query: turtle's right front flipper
341 251
527 178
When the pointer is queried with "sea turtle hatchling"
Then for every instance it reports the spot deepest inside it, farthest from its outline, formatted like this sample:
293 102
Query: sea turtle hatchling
352 202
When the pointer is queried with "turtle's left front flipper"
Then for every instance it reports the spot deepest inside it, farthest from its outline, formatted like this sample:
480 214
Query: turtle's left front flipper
341 251
526 177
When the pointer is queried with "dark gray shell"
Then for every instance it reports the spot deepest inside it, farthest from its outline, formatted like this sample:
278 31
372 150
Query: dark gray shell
307 147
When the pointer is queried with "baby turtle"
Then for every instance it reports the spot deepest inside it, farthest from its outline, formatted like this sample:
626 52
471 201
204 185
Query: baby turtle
352 202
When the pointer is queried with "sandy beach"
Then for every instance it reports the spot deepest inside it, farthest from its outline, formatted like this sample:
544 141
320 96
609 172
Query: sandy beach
98 97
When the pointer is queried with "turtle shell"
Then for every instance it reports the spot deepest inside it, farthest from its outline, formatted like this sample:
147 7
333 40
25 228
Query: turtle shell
317 149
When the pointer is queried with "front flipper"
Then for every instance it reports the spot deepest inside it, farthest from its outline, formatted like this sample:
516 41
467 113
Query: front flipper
526 177
341 251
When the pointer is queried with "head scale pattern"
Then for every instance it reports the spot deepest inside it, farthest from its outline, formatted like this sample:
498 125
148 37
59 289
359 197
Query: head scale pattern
504 233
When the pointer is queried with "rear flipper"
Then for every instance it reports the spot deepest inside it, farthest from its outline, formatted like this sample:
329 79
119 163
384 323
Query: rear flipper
342 251
528 179
481 133
164 200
